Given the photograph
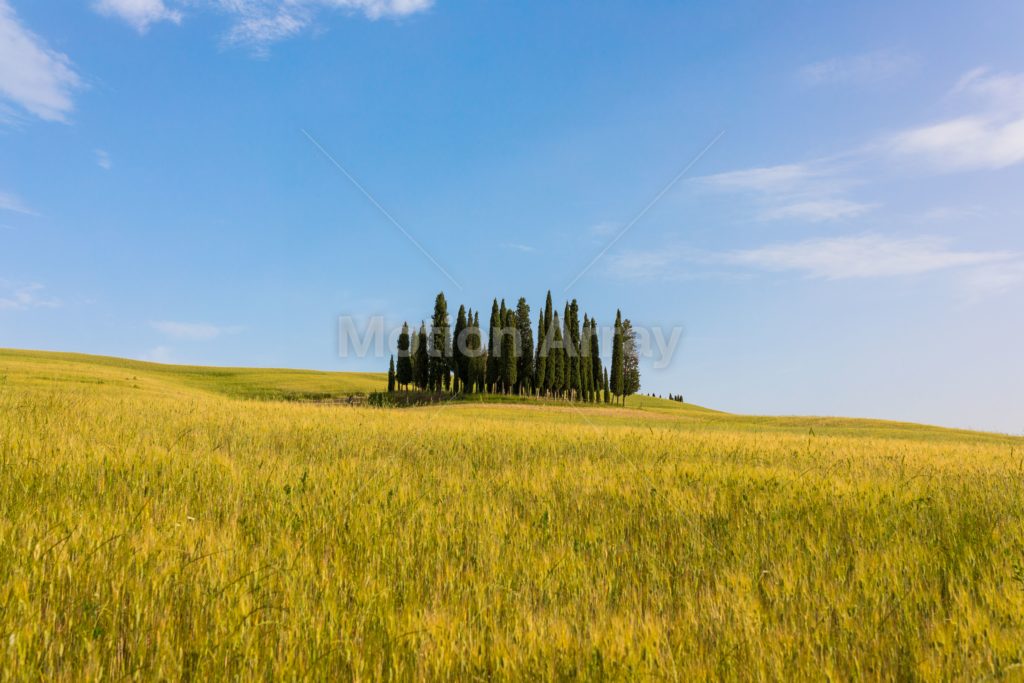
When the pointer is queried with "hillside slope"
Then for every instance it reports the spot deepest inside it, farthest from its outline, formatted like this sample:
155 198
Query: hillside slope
47 369
53 368
155 524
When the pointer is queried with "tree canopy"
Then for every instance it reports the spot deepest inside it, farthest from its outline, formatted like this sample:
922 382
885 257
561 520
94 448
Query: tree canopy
563 361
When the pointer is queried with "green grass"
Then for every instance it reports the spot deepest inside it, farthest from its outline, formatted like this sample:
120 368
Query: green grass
155 526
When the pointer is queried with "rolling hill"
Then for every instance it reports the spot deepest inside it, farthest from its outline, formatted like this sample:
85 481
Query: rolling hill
168 522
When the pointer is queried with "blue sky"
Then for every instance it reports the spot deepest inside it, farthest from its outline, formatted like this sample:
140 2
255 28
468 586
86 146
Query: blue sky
851 243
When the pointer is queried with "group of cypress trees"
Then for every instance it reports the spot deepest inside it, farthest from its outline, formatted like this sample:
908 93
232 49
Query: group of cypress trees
564 360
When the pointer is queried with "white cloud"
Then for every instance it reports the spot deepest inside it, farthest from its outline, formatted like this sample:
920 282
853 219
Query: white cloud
810 192
258 26
1003 90
103 160
140 14
256 23
25 297
816 210
943 214
9 202
261 22
991 138
668 263
870 67
865 256
784 178
605 229
837 258
518 247
32 76
967 143
993 279
193 331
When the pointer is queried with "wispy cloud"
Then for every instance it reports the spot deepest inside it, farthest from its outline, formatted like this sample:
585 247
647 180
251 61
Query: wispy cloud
816 210
869 67
837 258
24 297
809 192
943 214
991 138
32 76
993 279
140 14
10 202
518 247
605 229
193 331
783 178
103 160
864 256
964 144
261 22
255 23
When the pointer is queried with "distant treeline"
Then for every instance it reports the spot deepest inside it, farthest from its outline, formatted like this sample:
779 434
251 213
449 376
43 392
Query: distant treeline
564 361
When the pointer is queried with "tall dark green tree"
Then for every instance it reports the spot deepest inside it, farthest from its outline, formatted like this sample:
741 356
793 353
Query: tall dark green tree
421 364
459 360
550 324
586 369
618 365
541 357
440 345
391 376
524 372
403 372
607 389
479 364
509 362
558 367
571 357
595 359
630 361
573 347
493 345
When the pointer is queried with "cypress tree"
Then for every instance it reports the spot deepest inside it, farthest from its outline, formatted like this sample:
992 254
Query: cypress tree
469 356
524 374
573 344
595 359
630 361
440 345
391 376
459 360
607 391
493 344
404 371
617 357
421 365
479 365
509 362
553 380
549 338
538 375
568 354
557 351
473 347
586 369
575 373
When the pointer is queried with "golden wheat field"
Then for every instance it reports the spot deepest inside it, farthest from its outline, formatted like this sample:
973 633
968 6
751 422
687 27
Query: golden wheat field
164 524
